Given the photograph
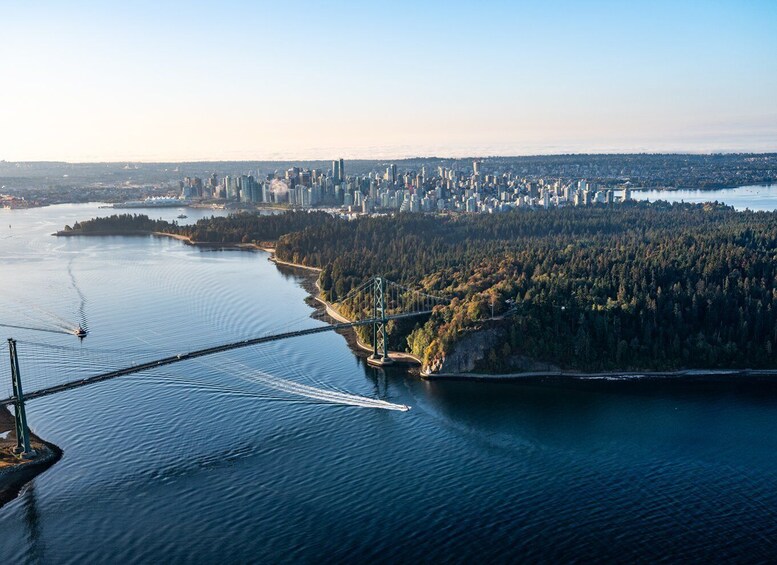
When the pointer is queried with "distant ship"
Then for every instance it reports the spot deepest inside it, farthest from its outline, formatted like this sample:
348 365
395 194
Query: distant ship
182 216
80 332
154 202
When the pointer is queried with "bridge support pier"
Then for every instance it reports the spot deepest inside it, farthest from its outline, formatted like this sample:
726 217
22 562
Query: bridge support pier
379 361
22 448
380 356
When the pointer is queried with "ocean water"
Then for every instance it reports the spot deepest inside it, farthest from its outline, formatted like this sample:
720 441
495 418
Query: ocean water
752 197
253 456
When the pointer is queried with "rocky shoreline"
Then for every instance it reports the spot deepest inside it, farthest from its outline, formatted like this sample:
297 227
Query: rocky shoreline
15 472
326 312
607 375
359 348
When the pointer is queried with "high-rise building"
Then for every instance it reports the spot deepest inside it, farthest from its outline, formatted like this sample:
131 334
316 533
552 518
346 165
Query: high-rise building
336 172
245 186
229 187
292 176
342 170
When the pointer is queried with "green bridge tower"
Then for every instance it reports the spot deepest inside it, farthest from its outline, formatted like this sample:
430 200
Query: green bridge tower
380 356
22 448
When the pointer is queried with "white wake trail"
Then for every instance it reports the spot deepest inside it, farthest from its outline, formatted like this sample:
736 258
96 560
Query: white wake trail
334 397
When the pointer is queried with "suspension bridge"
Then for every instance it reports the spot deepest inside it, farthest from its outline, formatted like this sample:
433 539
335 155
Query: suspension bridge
376 302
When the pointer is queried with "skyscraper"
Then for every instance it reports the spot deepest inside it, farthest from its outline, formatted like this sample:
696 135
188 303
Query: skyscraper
342 170
336 172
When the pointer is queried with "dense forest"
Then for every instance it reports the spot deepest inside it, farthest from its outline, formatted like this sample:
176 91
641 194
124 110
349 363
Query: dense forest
633 287
236 228
120 223
639 286
247 227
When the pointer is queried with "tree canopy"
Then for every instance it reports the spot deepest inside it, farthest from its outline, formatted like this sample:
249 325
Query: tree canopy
638 286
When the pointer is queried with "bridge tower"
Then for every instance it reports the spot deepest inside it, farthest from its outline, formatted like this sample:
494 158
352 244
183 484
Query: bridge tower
22 448
380 354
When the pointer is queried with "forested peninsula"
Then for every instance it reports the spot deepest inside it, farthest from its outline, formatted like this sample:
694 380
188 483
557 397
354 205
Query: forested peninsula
645 287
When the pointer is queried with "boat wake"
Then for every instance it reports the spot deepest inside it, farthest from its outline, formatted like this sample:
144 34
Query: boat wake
81 297
248 374
45 320
53 331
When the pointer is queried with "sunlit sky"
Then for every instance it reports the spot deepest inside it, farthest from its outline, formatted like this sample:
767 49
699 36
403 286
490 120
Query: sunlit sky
212 80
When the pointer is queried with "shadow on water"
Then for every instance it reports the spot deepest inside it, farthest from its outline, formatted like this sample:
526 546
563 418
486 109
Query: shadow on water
577 396
705 419
36 553
379 380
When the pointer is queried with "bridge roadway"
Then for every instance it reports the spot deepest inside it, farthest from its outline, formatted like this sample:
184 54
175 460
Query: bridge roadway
201 353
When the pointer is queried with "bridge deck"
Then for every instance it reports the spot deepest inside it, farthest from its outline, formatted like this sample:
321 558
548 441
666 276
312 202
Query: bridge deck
202 353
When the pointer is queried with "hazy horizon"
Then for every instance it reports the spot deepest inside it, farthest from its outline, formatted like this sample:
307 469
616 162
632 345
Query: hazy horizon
409 157
233 81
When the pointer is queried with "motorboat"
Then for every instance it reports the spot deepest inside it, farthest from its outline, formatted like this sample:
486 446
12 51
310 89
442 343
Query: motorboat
80 332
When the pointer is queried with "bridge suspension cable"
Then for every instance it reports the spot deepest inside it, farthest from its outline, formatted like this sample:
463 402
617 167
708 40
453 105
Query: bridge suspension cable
84 366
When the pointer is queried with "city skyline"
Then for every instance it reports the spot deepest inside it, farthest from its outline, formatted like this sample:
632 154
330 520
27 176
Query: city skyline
237 81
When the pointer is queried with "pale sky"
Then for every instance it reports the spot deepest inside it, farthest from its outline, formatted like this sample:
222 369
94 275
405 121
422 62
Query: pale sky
208 80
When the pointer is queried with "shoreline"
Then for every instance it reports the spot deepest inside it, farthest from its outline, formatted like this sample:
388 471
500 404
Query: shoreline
327 309
396 356
274 259
266 206
16 473
683 374
399 357
186 240
407 358
144 233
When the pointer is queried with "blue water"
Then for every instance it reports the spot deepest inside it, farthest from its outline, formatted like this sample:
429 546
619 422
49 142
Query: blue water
203 461
754 197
